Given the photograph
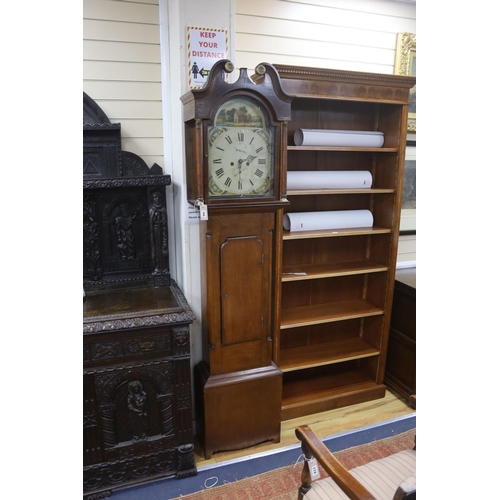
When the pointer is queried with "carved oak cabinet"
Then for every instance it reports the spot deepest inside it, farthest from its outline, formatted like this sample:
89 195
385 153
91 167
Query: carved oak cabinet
137 399
136 387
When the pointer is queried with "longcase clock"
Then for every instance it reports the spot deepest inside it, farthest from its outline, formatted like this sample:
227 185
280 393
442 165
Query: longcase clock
235 136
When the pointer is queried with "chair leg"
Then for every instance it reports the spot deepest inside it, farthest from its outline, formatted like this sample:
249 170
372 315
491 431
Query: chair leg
305 476
412 401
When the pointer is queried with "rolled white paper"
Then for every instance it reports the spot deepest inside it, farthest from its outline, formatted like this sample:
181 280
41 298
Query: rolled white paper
323 179
336 219
341 138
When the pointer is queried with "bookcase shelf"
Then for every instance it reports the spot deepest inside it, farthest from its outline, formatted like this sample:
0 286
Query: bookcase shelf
337 285
323 390
327 313
301 358
299 272
337 148
312 192
332 233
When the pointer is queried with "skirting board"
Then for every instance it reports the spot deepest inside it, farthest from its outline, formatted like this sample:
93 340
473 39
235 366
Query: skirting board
405 265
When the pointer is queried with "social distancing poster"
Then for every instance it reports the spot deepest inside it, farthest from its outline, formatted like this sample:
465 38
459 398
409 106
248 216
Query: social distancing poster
205 47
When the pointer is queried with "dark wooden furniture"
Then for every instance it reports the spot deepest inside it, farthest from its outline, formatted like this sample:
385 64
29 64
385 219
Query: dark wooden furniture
336 286
401 365
137 398
390 477
238 387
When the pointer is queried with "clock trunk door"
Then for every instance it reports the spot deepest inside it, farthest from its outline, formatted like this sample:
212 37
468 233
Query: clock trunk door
242 289
240 326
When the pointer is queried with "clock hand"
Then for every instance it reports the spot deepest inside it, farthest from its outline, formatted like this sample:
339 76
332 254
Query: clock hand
248 159
239 173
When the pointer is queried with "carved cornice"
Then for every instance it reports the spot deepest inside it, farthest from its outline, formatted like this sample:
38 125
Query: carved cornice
314 73
118 182
123 324
101 126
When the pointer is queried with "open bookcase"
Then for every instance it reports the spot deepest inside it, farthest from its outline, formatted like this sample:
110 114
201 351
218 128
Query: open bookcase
334 305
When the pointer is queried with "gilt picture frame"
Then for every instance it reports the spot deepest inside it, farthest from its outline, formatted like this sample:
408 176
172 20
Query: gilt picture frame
408 223
406 64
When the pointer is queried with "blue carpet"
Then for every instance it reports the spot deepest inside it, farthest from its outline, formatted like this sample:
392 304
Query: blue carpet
230 471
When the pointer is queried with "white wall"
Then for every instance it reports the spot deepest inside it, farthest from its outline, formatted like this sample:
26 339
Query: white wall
356 35
122 70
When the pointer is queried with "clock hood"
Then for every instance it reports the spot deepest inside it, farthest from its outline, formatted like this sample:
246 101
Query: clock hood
267 86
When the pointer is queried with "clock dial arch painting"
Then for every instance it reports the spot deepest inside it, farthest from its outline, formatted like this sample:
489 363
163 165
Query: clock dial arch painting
241 149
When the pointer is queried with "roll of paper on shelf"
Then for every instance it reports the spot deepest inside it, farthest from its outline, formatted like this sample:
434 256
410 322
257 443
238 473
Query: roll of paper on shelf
336 219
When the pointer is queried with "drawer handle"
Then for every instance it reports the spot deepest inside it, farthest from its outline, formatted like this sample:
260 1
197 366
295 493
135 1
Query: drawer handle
147 346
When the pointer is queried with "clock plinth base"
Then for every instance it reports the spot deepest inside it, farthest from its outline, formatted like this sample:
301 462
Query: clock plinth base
238 409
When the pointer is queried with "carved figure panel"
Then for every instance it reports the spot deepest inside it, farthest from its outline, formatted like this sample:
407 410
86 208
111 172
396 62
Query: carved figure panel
159 233
136 403
125 224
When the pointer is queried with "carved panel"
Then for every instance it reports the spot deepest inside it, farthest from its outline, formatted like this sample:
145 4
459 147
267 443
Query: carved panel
91 247
135 403
115 473
125 228
159 232
125 215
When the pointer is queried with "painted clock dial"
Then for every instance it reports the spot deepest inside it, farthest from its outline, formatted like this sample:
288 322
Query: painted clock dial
241 151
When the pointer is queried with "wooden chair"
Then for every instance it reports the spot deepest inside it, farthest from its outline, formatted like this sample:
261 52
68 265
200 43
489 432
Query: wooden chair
390 478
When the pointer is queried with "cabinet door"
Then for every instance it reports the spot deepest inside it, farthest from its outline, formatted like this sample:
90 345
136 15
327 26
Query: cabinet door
239 289
133 437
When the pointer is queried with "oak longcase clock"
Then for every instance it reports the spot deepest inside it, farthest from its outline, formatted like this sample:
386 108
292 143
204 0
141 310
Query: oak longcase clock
236 135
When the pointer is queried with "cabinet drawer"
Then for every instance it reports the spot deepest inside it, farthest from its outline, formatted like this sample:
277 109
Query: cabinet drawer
146 343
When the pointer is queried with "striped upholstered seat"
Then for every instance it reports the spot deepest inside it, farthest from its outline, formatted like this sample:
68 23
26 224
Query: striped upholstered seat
390 478
380 477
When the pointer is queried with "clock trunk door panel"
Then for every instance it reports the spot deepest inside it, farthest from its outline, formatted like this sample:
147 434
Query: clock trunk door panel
242 288
239 290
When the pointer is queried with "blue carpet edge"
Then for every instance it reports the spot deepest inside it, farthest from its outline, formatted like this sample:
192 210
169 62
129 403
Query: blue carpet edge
252 465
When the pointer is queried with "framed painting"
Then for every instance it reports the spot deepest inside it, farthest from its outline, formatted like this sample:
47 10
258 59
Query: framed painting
406 64
408 224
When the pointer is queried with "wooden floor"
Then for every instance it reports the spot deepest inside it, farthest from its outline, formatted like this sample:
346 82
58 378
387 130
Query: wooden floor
324 424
